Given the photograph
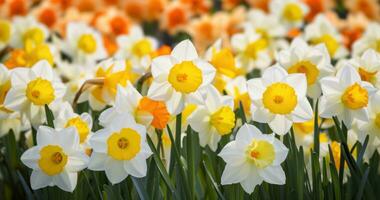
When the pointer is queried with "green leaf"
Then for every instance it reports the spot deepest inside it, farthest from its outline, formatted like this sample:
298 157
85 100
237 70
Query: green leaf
49 116
139 185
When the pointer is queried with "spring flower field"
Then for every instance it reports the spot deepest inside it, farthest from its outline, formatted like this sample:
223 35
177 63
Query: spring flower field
189 99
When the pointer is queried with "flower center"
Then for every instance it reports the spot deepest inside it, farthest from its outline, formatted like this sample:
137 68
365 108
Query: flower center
280 98
5 31
306 67
33 36
52 160
366 75
292 12
355 97
124 145
40 92
331 43
185 77
261 153
142 47
87 43
377 120
158 110
224 62
35 53
252 49
223 120
81 126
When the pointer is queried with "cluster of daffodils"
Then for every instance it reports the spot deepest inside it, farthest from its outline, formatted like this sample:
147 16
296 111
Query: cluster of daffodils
85 103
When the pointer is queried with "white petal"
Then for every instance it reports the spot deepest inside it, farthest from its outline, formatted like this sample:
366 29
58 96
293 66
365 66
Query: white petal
97 161
330 85
250 182
45 135
136 167
15 99
255 88
303 111
159 91
235 174
66 181
115 171
281 152
348 76
246 133
30 157
361 114
199 120
77 161
208 71
162 65
43 69
273 175
233 153
298 82
39 180
260 114
274 74
20 76
175 103
185 50
280 124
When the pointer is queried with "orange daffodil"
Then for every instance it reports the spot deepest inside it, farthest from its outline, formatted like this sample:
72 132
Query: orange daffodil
345 96
179 76
279 99
252 158
136 48
32 89
313 61
56 159
120 149
145 111
213 118
83 44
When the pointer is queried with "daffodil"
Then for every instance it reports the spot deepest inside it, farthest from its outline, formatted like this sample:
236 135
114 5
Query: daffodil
137 48
368 66
290 12
178 76
6 29
345 96
113 73
237 88
321 31
28 32
213 118
369 40
372 127
145 111
32 89
313 61
279 99
83 44
252 158
120 149
251 50
55 159
82 123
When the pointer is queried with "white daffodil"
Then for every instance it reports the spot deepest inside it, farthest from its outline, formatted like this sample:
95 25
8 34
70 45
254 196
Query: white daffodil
237 88
345 96
32 89
82 123
372 127
178 76
28 32
290 12
314 62
144 110
213 118
368 66
6 32
252 158
113 73
279 99
120 149
268 26
251 50
56 159
137 48
322 31
83 44
369 40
